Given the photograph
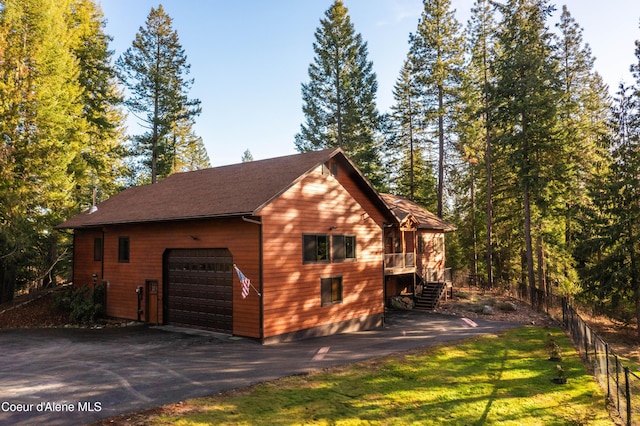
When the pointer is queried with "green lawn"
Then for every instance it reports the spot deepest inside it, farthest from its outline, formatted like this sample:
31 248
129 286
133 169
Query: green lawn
502 380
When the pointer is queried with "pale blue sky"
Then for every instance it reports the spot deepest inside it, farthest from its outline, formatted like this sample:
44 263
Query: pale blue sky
249 57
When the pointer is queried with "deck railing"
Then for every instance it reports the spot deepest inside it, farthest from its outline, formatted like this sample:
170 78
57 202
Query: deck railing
399 260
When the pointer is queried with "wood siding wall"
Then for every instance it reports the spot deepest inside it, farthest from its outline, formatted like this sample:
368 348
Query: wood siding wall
315 205
148 243
434 253
84 265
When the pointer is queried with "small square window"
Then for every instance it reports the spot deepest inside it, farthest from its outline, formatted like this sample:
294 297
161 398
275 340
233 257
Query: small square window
331 290
123 249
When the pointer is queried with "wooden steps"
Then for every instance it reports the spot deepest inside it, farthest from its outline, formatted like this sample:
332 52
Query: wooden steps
432 292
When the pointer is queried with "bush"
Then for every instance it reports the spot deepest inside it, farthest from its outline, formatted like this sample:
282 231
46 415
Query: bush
461 295
83 304
507 307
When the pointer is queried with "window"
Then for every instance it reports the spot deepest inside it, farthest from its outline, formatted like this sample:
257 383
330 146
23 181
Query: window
97 249
331 290
315 248
123 249
344 247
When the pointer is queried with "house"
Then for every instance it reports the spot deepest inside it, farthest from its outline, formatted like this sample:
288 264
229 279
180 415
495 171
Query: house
414 253
306 230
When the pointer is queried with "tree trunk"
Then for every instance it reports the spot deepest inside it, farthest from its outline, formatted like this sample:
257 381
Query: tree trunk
489 166
528 244
440 148
411 160
542 281
635 280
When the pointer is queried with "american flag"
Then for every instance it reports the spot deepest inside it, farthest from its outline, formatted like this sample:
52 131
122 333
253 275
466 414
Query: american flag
246 283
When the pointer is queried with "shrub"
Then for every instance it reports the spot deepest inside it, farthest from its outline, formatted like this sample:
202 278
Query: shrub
83 304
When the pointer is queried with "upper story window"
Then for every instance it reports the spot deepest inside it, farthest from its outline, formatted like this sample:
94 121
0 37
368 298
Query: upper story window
321 248
344 247
123 249
97 249
315 248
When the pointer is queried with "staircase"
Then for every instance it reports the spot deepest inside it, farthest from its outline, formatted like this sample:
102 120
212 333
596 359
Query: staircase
432 292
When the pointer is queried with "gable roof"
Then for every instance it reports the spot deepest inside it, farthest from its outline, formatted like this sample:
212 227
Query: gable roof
404 208
234 190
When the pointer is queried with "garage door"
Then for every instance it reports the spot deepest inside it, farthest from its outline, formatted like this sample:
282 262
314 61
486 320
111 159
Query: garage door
198 290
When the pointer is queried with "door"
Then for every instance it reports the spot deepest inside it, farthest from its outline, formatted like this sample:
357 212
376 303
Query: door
198 291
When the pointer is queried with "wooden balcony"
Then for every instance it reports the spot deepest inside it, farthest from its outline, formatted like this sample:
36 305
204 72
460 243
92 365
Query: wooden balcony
399 263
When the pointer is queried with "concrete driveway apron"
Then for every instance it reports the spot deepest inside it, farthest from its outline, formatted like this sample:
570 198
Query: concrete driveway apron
79 376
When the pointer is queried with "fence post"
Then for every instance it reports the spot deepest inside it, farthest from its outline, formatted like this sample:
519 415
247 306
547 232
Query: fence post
617 384
606 351
627 388
586 342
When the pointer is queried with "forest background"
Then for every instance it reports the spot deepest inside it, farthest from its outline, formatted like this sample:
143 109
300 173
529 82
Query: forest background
500 124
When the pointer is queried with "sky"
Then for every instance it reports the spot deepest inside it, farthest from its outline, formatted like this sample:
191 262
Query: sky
249 57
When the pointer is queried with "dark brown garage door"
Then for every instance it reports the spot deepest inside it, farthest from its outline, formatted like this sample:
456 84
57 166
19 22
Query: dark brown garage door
198 290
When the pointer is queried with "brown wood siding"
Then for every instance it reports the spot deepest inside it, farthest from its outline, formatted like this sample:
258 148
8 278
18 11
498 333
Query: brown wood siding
292 297
434 253
84 265
148 243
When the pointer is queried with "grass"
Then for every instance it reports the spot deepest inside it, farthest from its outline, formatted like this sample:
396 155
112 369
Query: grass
502 380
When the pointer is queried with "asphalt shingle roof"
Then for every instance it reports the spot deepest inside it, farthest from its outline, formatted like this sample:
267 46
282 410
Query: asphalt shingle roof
238 189
403 207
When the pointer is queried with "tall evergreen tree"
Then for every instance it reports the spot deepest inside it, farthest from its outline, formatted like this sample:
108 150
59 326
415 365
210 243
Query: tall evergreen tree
407 146
584 109
436 51
99 165
155 71
187 150
475 136
339 99
527 94
41 133
612 268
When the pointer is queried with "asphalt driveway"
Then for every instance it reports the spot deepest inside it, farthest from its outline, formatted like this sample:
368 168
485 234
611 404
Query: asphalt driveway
78 376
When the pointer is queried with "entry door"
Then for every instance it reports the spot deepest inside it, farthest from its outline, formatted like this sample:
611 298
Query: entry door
198 291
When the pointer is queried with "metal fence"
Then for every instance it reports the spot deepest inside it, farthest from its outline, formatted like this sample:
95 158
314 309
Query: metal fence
620 383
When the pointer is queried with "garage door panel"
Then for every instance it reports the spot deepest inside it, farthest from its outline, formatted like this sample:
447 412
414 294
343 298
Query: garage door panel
199 289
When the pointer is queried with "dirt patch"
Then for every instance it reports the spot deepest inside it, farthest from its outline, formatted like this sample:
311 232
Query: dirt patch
39 312
474 303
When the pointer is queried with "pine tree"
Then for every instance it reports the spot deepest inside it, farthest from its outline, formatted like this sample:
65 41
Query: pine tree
527 94
475 182
407 146
612 268
155 70
436 52
339 99
186 150
583 108
99 165
247 156
41 129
